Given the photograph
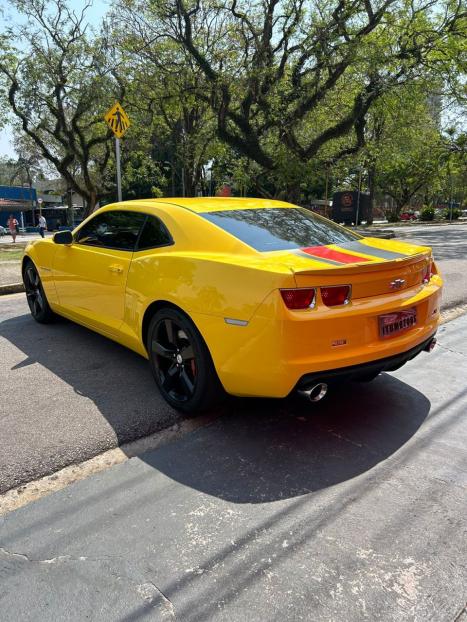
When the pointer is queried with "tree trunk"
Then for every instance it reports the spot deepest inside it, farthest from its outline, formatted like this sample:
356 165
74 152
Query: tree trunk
90 203
292 193
190 183
371 188
400 204
69 212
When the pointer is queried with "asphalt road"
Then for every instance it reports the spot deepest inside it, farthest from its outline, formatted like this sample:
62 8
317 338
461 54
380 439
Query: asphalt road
449 244
67 394
355 512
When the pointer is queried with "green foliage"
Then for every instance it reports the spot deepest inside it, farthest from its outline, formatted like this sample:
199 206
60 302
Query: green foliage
288 100
58 84
142 177
427 213
454 214
408 148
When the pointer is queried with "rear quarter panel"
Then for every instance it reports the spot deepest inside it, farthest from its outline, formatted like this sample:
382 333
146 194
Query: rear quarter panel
207 288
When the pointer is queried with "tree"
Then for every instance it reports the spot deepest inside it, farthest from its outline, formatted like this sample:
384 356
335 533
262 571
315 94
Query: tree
302 76
58 88
142 177
162 86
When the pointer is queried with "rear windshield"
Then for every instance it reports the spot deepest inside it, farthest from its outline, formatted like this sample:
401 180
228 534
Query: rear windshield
276 229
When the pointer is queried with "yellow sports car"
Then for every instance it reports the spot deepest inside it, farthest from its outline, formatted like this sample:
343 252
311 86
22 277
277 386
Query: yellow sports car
251 296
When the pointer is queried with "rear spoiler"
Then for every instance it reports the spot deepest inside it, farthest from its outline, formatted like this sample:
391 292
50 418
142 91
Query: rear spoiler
361 268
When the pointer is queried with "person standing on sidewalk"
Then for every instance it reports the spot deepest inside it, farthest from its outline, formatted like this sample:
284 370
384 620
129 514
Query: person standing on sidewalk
42 225
12 225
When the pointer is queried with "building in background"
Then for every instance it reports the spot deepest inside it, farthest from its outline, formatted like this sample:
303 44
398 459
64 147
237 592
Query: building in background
20 201
27 203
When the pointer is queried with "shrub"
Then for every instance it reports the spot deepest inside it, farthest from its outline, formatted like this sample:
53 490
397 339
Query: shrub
427 213
393 217
455 214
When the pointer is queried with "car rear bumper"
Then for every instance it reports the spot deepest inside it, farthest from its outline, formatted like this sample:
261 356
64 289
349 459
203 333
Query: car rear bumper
364 370
278 348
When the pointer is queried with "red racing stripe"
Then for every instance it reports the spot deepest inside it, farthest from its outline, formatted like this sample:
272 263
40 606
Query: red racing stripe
329 253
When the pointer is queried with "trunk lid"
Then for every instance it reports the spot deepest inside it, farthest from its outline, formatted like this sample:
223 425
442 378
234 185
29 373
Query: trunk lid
372 266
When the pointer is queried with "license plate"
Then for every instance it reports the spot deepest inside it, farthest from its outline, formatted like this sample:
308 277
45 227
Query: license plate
392 324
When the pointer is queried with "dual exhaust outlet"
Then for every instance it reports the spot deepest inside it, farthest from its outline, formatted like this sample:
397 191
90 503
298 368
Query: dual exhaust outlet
316 392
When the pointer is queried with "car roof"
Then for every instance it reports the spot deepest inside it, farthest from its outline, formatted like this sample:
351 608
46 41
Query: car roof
200 205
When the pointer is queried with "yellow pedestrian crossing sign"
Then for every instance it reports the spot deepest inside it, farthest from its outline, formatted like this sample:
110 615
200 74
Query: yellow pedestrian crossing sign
117 119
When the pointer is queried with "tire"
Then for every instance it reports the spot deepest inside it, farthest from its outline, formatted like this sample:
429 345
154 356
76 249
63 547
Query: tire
37 300
181 363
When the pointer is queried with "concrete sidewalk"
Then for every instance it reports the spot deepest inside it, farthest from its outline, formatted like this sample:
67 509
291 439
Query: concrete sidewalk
10 272
356 510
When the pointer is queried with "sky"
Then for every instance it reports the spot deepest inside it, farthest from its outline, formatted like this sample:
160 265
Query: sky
94 14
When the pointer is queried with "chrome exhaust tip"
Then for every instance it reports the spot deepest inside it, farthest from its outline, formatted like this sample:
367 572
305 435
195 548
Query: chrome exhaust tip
429 346
315 393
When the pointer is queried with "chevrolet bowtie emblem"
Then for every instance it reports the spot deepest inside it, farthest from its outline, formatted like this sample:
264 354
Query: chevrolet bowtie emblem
397 283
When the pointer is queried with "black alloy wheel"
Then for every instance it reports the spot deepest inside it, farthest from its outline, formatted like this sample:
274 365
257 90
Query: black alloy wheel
35 295
181 363
175 360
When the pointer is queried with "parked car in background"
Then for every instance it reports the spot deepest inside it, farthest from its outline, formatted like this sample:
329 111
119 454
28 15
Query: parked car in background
408 215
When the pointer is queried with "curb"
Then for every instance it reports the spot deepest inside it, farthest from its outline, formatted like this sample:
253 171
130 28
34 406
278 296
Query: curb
385 234
15 498
418 223
11 288
452 312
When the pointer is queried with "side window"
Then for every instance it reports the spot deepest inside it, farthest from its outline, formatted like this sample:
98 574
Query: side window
154 234
117 230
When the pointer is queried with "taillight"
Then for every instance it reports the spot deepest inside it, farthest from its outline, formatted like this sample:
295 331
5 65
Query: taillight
429 272
336 295
300 298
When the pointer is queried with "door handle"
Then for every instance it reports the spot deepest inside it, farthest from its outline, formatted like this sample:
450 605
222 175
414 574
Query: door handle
116 268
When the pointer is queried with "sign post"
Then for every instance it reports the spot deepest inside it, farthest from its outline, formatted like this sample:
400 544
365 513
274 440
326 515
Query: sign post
119 174
118 121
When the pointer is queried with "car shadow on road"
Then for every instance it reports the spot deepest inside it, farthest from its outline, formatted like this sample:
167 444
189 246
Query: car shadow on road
115 379
258 451
83 393
267 450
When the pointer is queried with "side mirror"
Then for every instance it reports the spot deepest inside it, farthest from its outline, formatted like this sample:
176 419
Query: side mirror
63 237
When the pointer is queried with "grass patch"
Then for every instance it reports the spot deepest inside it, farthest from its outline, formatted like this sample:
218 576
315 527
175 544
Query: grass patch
14 252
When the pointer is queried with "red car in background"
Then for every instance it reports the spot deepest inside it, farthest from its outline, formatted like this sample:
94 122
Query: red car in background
407 216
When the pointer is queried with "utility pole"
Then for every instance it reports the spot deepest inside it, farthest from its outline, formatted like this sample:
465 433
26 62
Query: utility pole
450 194
358 194
326 189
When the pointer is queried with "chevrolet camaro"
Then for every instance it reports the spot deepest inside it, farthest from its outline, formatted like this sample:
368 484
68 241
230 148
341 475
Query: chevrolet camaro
252 297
